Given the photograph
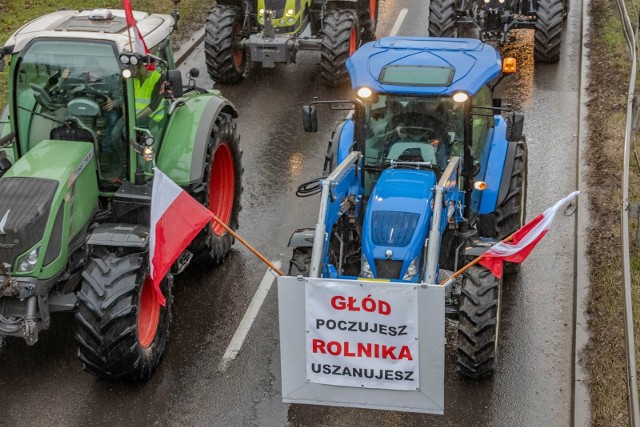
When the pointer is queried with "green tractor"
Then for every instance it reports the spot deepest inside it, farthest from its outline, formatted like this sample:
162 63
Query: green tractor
77 158
269 32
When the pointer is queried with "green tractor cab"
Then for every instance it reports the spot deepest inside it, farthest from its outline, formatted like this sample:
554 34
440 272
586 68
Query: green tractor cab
271 32
88 120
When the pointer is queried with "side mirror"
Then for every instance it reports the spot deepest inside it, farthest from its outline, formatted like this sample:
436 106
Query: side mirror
175 80
310 118
476 167
194 72
515 124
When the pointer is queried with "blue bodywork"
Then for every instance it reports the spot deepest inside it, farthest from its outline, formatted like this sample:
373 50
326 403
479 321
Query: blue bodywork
474 62
397 216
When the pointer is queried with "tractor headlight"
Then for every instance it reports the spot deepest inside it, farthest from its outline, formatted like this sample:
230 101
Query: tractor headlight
282 22
290 12
28 262
291 20
412 270
261 11
366 269
126 73
364 92
147 153
460 97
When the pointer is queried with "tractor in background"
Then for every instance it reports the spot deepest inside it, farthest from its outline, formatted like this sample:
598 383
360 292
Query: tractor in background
493 19
427 171
270 32
77 159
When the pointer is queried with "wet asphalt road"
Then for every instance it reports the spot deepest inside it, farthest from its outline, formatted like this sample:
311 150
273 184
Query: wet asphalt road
532 385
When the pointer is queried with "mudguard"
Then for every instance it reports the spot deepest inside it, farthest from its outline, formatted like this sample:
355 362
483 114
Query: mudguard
119 235
183 148
343 139
72 166
493 168
302 238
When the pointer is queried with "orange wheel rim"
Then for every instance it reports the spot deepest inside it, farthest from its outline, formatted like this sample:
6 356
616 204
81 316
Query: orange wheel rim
148 314
353 41
221 187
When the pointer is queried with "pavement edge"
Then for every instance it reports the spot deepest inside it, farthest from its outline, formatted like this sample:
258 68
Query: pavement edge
189 46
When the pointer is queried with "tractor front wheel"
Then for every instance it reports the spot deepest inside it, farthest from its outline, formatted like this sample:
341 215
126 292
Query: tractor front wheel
121 327
369 21
511 214
478 322
340 40
221 186
442 19
225 55
548 36
300 261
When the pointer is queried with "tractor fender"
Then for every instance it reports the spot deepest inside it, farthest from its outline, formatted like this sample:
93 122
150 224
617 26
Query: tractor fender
119 235
497 167
183 150
342 4
302 238
475 248
345 137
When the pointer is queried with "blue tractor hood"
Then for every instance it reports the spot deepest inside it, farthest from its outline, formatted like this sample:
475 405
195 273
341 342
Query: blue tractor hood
474 63
397 220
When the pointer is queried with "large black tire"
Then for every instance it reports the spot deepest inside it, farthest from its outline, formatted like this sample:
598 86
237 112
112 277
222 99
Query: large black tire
340 39
117 331
300 261
442 19
221 187
369 19
225 56
478 322
511 214
548 37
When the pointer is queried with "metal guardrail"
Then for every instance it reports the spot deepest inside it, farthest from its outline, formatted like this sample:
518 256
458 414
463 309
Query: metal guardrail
632 385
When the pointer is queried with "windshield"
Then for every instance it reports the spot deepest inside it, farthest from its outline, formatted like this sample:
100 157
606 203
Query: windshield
413 129
72 90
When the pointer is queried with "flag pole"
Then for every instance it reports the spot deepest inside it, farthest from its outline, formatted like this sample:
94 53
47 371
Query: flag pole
251 248
474 262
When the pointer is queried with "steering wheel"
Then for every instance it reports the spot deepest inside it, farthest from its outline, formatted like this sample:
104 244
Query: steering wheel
89 90
416 133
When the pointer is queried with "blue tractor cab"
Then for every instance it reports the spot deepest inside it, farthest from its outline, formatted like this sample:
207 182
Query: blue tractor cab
425 173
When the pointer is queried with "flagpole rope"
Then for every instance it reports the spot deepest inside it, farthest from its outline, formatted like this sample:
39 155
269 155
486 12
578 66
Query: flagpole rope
472 263
251 248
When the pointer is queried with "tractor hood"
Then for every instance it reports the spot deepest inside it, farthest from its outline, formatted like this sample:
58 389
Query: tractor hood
396 221
33 195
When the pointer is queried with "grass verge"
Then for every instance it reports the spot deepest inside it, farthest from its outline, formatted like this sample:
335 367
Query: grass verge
14 14
605 353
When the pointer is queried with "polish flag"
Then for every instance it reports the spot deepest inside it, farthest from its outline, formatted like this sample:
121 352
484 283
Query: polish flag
176 218
523 241
140 45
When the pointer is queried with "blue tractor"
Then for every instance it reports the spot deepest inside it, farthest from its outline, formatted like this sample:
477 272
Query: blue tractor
427 171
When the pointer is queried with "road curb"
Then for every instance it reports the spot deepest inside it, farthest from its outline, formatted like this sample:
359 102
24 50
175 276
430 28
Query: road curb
189 46
581 415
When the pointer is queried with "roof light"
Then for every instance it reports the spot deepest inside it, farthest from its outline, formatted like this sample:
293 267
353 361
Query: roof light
509 65
460 97
364 92
126 73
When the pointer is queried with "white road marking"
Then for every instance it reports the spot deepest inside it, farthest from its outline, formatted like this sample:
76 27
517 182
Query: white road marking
396 26
247 321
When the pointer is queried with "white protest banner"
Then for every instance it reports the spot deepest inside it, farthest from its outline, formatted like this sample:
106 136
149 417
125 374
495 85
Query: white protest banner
362 334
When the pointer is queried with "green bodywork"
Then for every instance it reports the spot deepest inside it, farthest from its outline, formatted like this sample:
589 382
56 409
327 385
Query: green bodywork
72 165
283 21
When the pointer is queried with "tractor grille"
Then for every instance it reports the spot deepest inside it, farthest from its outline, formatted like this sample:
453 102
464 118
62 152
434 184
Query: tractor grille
393 228
24 208
388 268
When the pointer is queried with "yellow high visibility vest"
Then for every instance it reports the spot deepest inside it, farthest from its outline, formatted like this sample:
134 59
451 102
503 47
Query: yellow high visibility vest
144 93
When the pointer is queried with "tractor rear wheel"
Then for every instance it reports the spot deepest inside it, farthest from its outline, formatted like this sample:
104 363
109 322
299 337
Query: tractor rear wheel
340 39
478 322
369 21
548 37
300 261
221 187
511 214
121 327
225 55
442 19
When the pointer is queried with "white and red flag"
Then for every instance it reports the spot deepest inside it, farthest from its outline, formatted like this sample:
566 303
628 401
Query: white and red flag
176 218
140 45
523 241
